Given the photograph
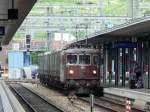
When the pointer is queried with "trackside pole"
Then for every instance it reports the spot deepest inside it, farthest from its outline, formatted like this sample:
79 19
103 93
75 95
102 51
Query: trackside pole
92 102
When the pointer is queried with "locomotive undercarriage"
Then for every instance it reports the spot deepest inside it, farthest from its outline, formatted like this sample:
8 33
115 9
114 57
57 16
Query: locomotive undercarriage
78 86
83 86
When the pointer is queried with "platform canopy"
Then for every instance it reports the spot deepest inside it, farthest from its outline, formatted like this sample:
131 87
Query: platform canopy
8 27
133 28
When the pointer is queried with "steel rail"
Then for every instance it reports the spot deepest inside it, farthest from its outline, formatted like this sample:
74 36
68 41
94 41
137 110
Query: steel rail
30 104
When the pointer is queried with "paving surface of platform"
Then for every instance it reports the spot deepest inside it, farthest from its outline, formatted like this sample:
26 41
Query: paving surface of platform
1 105
8 102
141 90
140 96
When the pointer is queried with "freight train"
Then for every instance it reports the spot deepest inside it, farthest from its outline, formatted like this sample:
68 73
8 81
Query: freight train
73 69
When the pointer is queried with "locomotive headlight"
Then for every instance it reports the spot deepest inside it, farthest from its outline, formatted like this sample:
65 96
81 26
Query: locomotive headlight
71 71
94 72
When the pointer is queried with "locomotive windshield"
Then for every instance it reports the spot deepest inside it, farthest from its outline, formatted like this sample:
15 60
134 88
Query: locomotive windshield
84 59
71 59
95 60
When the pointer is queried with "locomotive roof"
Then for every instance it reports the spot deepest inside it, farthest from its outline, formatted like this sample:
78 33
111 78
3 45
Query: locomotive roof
81 50
74 50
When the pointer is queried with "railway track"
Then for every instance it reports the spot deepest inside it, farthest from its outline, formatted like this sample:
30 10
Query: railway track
34 102
109 105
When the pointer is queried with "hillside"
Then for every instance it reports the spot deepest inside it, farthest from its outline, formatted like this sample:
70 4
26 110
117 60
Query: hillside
38 27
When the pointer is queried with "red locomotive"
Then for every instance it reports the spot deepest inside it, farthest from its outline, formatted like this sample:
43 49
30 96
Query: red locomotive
72 69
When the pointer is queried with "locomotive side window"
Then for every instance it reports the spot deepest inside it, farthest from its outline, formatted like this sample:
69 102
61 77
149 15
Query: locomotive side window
95 60
84 59
71 59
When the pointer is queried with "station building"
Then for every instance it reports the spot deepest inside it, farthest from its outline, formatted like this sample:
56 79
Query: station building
124 53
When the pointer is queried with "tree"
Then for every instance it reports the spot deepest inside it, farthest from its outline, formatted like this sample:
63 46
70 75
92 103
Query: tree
34 57
6 60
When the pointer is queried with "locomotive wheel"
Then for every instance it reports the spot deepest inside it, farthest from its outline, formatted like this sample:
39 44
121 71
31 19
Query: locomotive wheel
71 93
66 92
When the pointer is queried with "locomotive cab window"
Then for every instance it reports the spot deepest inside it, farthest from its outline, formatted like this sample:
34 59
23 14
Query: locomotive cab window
96 60
84 59
71 59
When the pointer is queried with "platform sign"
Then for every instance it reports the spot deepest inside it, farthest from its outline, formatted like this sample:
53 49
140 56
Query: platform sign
109 25
2 30
125 44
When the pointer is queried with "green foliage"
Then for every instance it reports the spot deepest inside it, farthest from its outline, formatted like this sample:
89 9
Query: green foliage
107 8
43 48
6 60
116 8
70 1
40 36
80 34
38 11
34 57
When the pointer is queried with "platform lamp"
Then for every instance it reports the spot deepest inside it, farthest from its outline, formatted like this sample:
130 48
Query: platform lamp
12 12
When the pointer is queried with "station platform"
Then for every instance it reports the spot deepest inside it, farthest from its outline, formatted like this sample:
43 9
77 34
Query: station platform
140 97
8 102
